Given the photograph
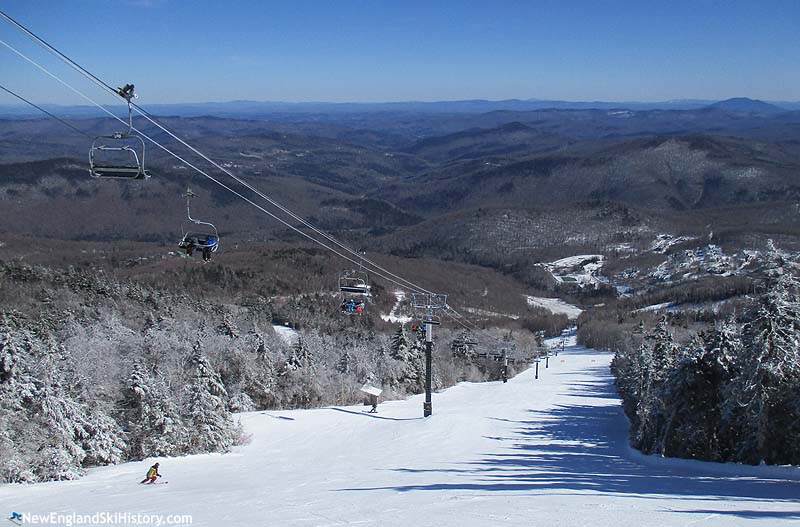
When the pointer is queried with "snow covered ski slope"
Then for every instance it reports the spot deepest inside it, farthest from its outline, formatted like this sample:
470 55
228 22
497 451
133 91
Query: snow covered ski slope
551 451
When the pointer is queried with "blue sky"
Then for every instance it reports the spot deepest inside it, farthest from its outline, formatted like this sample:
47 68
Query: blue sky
381 50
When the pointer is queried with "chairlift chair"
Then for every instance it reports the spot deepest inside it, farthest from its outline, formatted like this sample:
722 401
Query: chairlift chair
354 282
353 291
205 242
428 304
119 155
205 239
430 318
428 301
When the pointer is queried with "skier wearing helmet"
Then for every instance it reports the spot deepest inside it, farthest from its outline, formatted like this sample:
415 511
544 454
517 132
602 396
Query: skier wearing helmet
152 474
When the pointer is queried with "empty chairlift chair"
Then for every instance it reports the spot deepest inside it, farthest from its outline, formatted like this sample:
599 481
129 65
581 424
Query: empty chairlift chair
427 304
120 155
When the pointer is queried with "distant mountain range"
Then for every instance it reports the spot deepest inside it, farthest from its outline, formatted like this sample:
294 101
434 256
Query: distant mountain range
745 105
399 175
502 188
257 109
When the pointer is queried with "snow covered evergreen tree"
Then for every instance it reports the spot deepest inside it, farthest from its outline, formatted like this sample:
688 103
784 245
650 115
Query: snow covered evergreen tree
155 424
400 344
210 425
694 397
227 327
408 372
48 430
415 369
630 371
10 356
641 379
663 353
18 440
298 358
343 365
82 432
259 379
301 380
731 394
768 383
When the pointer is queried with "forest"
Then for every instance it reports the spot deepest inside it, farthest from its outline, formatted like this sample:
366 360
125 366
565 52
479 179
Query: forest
97 371
728 392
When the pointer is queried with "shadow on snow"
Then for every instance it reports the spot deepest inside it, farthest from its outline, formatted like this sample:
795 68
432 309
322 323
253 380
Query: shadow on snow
375 416
584 447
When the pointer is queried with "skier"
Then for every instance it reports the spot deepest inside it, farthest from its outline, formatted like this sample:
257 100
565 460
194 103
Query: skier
208 247
348 306
152 474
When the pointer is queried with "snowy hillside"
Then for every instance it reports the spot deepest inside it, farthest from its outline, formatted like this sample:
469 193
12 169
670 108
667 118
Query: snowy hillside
580 270
393 317
286 333
554 305
551 451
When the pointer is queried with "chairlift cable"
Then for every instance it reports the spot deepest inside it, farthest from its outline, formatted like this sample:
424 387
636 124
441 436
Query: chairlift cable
53 50
23 99
181 159
470 327
200 171
362 258
460 319
178 157
64 83
146 115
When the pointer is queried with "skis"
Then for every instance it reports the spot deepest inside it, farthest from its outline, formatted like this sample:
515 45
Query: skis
15 518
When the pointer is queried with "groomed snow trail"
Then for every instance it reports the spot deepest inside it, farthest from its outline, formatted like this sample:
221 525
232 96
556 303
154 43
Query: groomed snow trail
551 451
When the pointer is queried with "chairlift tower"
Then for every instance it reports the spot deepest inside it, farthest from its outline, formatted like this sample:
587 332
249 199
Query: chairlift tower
428 304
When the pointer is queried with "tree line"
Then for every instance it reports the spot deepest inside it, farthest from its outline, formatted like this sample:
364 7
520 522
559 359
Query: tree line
730 392
96 371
